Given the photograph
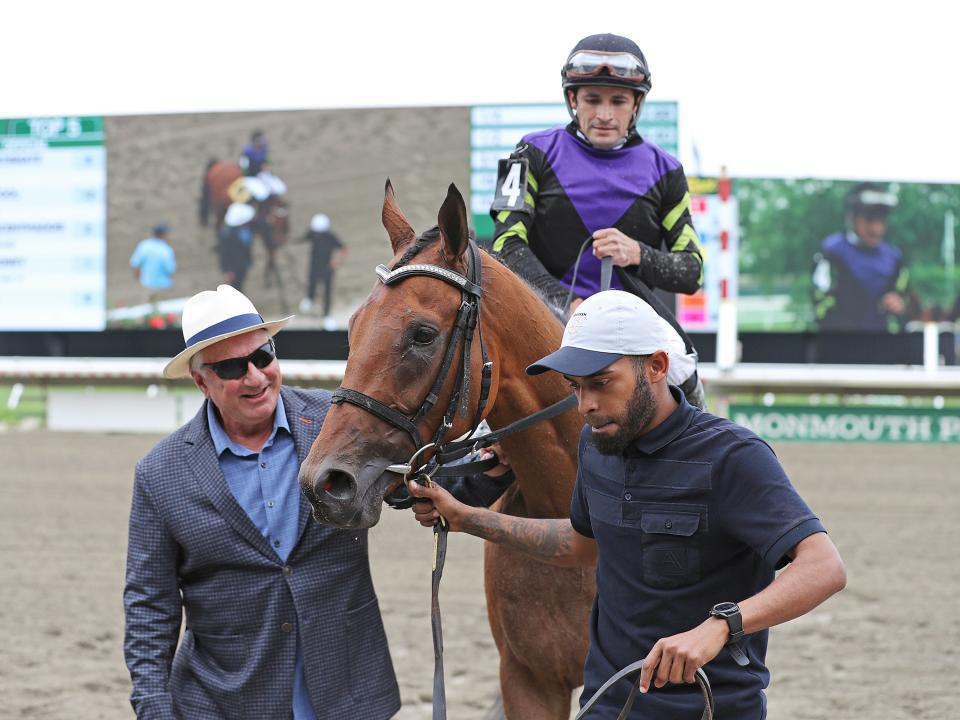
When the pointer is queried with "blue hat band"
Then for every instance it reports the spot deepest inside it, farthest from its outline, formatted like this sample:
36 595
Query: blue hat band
238 322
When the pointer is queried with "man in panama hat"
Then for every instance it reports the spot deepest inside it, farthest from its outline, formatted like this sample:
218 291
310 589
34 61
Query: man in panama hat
281 616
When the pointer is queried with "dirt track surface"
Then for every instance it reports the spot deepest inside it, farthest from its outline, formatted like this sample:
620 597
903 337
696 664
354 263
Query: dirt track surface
885 648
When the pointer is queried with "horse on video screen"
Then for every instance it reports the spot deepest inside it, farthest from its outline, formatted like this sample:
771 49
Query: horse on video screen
224 183
399 340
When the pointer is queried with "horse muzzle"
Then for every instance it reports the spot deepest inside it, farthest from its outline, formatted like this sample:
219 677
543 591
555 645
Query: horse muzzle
342 499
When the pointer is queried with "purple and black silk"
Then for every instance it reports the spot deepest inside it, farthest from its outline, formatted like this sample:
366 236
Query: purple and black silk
574 190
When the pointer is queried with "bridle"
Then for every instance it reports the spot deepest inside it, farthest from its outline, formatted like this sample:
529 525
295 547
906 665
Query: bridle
466 325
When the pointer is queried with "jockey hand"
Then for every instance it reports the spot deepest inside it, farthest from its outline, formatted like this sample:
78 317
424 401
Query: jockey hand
892 303
495 451
435 502
677 658
610 242
573 306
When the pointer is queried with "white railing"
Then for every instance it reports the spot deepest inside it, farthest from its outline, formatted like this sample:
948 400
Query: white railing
130 394
745 377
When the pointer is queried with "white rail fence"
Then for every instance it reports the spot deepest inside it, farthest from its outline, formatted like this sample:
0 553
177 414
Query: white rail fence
131 395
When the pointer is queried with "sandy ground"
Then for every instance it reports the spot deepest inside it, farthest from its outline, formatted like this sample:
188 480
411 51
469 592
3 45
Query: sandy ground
333 161
885 648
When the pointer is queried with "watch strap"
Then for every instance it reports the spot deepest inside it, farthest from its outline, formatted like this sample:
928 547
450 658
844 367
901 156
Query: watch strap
731 615
739 656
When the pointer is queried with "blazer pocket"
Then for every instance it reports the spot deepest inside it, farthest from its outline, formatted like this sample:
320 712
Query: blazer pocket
670 547
228 652
371 670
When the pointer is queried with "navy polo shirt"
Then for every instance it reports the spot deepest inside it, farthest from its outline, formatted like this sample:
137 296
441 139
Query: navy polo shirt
695 512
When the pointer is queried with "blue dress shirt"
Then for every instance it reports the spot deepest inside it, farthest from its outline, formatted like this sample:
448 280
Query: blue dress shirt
265 484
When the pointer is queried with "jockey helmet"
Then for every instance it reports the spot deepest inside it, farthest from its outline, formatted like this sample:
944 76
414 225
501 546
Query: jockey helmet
869 199
606 59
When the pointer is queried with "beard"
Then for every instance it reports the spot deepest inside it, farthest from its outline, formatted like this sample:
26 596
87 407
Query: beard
636 416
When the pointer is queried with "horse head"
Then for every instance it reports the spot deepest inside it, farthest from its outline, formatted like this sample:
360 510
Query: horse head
400 349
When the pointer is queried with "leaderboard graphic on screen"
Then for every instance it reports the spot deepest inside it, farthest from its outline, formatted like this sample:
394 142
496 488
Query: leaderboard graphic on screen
53 180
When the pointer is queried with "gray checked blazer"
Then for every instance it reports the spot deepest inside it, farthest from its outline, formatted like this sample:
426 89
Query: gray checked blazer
193 549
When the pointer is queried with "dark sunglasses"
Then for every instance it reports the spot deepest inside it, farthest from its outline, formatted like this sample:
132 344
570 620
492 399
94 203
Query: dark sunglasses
236 368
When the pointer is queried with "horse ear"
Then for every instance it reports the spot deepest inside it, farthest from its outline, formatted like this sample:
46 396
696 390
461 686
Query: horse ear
452 219
399 230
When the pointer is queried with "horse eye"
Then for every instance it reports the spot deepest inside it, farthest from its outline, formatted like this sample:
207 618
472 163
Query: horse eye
424 335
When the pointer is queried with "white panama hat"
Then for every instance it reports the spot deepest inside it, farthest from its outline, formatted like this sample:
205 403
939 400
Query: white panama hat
319 223
239 214
214 315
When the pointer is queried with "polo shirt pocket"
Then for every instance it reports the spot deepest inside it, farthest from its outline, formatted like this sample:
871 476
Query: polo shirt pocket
670 548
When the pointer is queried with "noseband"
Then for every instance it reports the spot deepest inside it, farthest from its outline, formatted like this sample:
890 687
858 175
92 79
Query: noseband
467 321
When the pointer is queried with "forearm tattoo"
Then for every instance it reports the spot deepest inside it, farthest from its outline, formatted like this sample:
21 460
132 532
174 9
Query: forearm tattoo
544 539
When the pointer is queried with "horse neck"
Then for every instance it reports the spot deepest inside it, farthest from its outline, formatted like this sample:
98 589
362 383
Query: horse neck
520 329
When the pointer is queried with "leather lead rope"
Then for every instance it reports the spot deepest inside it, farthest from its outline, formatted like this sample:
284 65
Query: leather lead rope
439 556
700 678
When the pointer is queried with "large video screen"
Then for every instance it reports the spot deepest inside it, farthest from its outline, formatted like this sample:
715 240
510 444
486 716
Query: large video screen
114 222
111 223
53 230
317 162
846 255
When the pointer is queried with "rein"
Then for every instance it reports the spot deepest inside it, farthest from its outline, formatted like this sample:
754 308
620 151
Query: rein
700 678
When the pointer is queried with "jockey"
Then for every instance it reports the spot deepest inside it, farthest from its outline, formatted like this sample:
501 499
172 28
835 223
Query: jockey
255 153
598 180
861 281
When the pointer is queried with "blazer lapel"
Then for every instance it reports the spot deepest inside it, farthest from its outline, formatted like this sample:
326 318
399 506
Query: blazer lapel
202 460
304 426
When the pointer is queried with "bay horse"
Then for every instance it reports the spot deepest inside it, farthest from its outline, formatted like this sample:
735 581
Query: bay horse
398 338
222 185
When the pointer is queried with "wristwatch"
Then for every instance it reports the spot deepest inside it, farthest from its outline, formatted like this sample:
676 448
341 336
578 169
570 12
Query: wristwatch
730 612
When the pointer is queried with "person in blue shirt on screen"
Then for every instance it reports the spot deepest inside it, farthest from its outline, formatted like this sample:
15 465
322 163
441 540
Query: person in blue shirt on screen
154 263
860 281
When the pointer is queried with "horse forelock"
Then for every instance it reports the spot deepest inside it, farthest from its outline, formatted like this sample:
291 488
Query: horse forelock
428 238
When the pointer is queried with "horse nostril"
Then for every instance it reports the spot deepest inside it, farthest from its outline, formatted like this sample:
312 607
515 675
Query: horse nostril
338 484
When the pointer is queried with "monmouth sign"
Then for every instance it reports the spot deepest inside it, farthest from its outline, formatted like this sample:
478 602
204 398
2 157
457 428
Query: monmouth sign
850 424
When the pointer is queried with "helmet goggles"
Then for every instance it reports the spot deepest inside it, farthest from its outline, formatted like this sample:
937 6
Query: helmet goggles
587 64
